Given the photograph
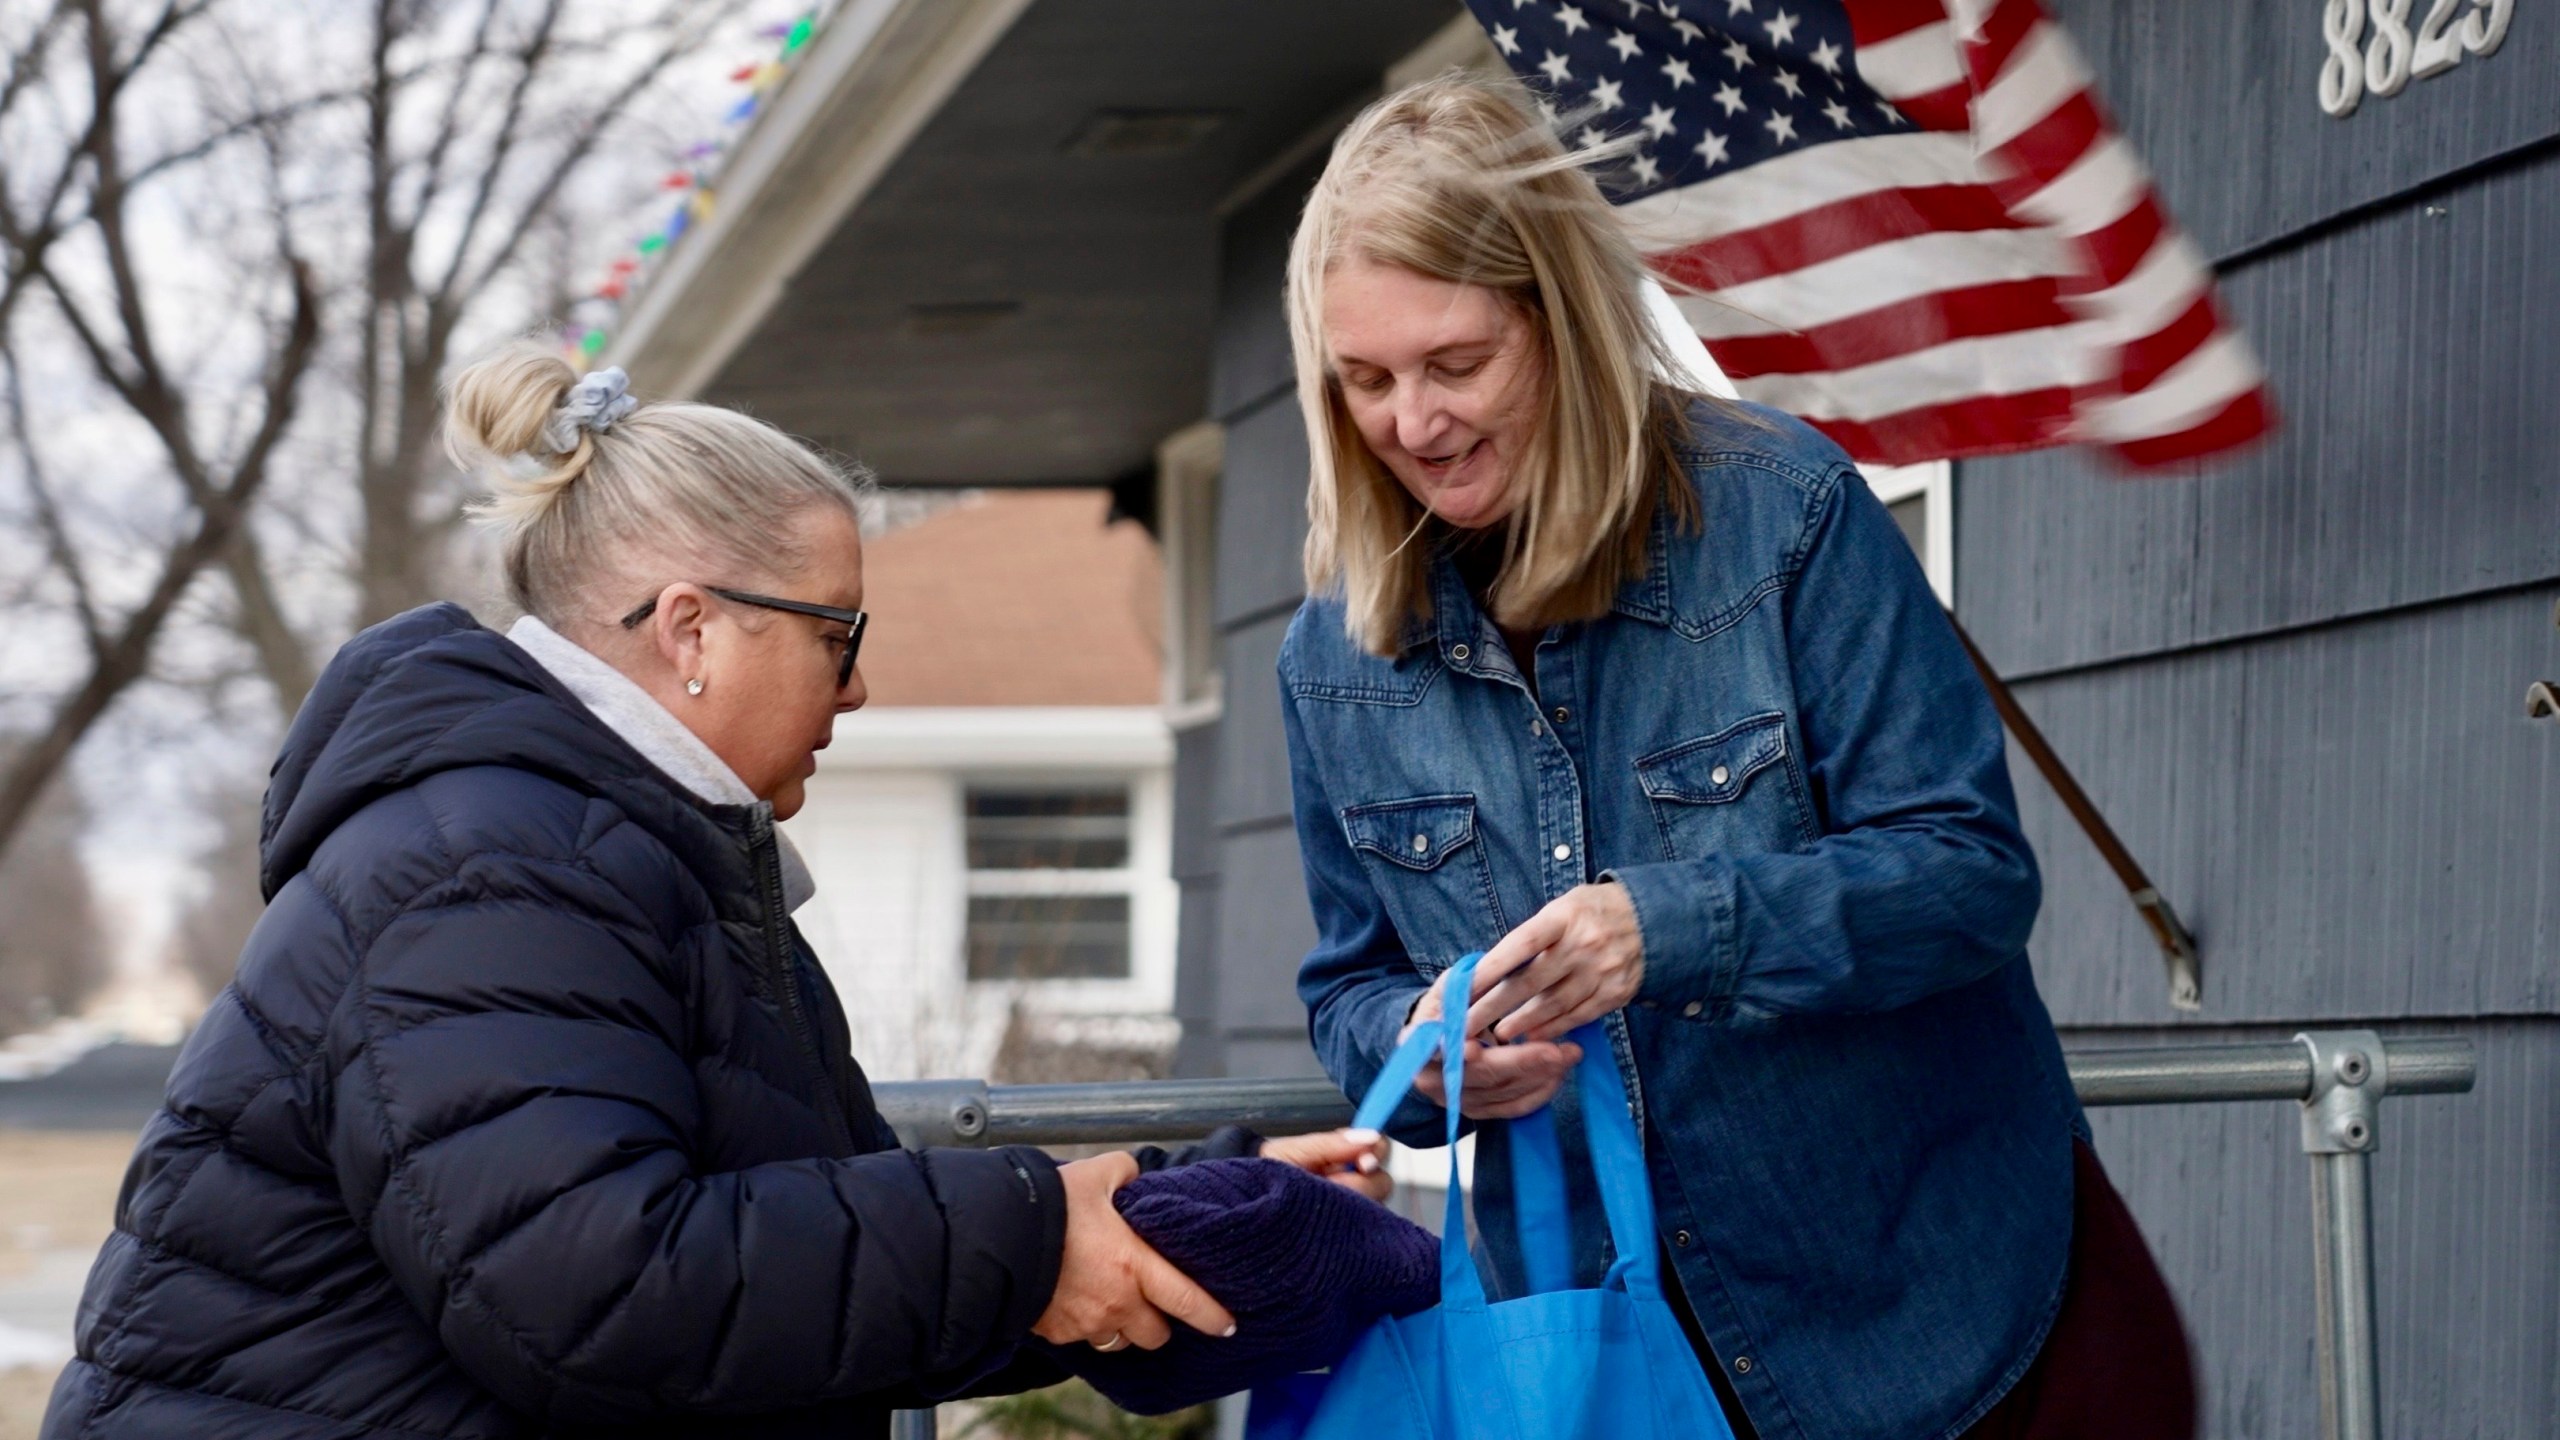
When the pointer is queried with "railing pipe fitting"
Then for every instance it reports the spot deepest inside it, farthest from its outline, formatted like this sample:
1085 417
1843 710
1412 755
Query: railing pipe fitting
972 1112
2339 1077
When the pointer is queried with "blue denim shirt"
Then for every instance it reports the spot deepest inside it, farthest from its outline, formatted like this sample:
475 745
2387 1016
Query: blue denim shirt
1858 1121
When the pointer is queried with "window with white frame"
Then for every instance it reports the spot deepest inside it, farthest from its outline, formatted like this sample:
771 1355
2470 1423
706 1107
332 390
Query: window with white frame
1921 499
1051 881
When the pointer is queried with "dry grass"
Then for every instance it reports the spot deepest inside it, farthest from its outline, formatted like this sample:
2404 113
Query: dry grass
61 1192
22 1397
57 1195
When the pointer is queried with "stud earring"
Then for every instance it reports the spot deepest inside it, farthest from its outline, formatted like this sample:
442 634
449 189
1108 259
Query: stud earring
693 687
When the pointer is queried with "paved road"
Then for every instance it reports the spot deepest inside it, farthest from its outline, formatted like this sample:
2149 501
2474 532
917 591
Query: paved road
114 1087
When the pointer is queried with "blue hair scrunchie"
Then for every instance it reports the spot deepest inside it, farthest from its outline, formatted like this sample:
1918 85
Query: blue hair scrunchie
598 399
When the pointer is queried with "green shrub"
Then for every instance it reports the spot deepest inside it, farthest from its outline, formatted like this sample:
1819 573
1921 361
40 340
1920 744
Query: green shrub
1074 1411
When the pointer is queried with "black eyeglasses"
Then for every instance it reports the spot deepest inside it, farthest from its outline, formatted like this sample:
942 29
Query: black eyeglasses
852 620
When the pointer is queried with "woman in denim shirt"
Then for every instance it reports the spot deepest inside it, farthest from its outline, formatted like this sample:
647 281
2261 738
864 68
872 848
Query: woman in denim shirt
1643 693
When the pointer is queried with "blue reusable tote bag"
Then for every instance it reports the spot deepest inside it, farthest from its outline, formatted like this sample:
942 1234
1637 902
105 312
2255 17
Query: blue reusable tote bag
1557 1364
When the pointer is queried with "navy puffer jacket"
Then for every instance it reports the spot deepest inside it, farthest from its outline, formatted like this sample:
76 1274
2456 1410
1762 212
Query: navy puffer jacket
529 1112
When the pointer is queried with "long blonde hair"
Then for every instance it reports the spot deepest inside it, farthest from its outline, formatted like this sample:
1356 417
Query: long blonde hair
589 531
1457 180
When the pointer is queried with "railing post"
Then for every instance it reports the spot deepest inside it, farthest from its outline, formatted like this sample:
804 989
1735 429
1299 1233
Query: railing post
2341 1125
912 1425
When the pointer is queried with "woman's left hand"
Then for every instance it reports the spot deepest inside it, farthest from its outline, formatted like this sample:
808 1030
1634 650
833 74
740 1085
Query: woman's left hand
1352 1159
1571 963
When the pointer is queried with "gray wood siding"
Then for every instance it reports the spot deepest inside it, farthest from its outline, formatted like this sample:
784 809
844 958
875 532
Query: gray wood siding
1264 929
2410 354
2295 684
1238 965
1262 516
2466 1242
2221 100
2356 821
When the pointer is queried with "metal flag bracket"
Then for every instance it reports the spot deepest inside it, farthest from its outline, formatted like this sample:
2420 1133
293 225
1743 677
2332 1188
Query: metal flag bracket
2177 943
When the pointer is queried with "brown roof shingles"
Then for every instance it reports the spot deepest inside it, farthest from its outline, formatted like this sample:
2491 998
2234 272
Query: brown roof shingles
1014 598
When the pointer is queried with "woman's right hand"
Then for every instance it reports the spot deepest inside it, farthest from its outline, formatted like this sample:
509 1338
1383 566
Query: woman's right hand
1113 1288
1504 1082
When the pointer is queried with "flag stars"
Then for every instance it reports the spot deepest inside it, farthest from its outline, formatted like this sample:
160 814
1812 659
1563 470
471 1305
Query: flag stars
1736 7
1658 121
1827 55
1729 98
1507 39
1688 31
1572 19
1738 53
1792 83
1839 114
1625 44
1648 171
1608 95
1782 28
1590 138
1677 71
1636 8
1556 67
1782 127
1711 147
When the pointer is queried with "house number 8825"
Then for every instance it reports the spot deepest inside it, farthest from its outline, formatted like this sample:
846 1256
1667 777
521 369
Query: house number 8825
2395 54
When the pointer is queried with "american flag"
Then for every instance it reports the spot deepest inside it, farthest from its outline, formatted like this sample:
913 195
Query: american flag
1907 221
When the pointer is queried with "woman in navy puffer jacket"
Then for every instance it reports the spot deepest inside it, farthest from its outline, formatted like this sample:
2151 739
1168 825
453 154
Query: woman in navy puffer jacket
529 1112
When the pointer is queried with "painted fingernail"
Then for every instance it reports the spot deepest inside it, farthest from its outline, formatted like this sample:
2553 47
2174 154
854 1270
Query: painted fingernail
1229 1332
1363 1136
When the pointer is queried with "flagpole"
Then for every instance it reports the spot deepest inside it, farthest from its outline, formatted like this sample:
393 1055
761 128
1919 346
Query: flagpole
2177 947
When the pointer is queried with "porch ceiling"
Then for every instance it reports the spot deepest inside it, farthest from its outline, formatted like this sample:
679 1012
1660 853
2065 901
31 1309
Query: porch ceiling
1002 309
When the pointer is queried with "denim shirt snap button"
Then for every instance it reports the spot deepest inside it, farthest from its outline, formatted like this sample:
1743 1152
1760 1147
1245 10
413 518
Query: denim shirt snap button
1564 852
1460 653
1693 1009
1719 775
1741 1364
1421 843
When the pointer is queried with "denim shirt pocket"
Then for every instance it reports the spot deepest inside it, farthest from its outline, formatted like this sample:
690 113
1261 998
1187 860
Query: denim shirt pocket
1732 792
1430 868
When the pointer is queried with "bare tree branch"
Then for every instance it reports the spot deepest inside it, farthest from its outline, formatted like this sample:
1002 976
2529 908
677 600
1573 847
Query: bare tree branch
260 619
48 512
529 63
126 655
681 41
449 124
26 67
471 130
219 504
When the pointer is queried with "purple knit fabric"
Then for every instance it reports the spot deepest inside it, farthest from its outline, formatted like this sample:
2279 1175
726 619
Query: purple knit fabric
1303 1264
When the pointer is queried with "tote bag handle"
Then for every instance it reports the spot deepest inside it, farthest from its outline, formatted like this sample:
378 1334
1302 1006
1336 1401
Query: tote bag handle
1617 1160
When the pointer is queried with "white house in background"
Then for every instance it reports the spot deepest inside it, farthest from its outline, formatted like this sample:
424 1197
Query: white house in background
992 834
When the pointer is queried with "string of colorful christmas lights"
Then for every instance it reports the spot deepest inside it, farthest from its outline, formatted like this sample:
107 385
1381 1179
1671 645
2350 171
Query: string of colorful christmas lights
589 327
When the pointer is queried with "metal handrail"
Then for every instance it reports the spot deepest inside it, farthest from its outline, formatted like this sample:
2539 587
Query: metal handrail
2338 1077
972 1112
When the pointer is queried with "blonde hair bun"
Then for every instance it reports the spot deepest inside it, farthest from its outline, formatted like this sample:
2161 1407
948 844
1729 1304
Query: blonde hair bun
643 490
495 414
